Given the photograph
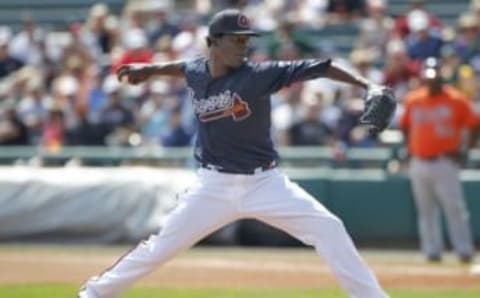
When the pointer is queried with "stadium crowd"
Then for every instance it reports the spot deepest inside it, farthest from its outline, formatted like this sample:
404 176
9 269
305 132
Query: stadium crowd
58 88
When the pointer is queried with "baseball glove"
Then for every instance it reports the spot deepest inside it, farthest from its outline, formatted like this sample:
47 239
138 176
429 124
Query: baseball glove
380 104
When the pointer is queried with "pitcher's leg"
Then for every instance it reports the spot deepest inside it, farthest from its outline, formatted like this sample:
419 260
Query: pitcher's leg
286 206
428 210
193 219
450 193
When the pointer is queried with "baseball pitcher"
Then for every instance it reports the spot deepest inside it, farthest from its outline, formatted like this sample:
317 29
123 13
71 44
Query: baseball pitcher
237 177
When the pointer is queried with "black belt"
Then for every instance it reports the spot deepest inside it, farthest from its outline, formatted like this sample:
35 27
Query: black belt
430 158
256 170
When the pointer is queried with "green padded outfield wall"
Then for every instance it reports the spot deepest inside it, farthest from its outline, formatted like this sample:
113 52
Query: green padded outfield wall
378 208
472 193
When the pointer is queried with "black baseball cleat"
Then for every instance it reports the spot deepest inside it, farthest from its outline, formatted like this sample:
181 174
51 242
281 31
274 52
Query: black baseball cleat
434 259
466 259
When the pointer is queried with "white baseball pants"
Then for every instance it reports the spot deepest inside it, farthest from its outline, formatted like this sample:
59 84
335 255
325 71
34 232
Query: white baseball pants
436 185
218 199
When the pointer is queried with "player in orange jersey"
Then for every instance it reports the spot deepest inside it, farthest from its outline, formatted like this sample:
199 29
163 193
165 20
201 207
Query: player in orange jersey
435 118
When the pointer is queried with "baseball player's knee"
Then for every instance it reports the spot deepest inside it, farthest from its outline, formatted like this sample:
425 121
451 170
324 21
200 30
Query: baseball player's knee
331 225
323 229
329 219
334 224
326 227
457 211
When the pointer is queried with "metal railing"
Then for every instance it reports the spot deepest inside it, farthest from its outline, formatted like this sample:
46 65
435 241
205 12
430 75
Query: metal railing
311 156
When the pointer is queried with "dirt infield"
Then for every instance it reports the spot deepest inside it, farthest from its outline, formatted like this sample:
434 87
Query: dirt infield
214 267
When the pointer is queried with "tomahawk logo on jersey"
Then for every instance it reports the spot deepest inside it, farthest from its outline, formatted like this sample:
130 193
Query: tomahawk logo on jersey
219 106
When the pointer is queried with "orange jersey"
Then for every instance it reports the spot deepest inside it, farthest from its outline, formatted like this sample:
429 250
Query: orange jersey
435 123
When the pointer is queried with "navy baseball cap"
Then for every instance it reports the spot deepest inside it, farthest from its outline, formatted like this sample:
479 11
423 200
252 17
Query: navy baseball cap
230 21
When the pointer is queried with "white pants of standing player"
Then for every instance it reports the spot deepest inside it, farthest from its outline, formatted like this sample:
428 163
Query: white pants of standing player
436 185
218 199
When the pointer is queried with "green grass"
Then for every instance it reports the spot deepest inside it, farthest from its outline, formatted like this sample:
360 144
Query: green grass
65 291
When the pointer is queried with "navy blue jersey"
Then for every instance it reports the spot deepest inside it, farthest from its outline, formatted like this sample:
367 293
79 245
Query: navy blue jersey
233 111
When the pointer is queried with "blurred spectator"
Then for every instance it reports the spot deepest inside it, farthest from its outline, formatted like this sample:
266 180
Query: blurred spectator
17 82
475 7
65 98
117 119
28 44
81 40
376 28
467 43
349 132
94 34
310 130
286 112
402 28
462 76
155 113
224 4
135 16
313 13
8 63
362 61
98 96
32 109
54 131
264 14
160 24
399 71
422 42
187 44
328 95
342 11
83 73
450 64
137 50
289 43
13 132
467 81
176 134
86 133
